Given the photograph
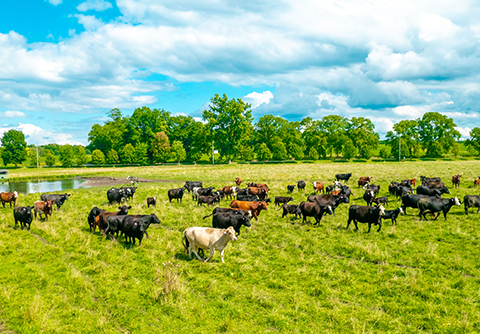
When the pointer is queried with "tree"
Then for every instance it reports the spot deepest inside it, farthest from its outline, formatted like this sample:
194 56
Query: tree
263 153
314 136
80 155
14 147
348 150
66 155
128 154
473 144
406 132
384 153
279 152
268 129
160 147
32 157
141 154
455 149
312 154
335 127
436 149
49 157
246 152
178 152
437 128
229 122
98 157
361 132
296 152
366 152
112 157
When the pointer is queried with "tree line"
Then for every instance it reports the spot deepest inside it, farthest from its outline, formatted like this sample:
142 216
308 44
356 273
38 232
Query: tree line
156 136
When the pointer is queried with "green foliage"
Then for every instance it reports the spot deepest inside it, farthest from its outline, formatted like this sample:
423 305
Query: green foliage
279 152
473 144
435 149
437 133
32 156
348 150
314 136
81 157
141 154
455 149
160 147
66 155
361 132
312 154
98 157
50 159
263 153
246 152
54 148
296 152
384 153
112 157
14 147
178 152
128 154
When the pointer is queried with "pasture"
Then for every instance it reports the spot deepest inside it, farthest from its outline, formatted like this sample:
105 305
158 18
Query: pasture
279 276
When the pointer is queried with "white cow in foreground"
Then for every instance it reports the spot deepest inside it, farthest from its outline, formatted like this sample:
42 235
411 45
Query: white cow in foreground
213 239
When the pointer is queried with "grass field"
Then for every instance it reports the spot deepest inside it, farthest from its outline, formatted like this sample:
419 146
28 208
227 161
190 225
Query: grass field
280 276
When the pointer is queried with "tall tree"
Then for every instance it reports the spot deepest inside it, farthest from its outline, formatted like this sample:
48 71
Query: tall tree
230 123
335 127
435 127
268 128
14 147
407 133
474 141
178 152
160 146
314 136
98 157
361 132
49 157
66 155
111 135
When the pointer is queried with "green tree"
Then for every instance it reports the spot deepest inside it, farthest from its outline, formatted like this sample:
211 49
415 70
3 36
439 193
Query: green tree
160 146
113 134
50 159
141 154
14 147
406 132
279 152
112 157
335 127
246 152
473 144
384 153
437 128
455 149
348 150
178 152
66 155
297 152
98 157
263 153
314 136
436 149
54 148
267 129
80 155
32 157
361 132
230 122
312 154
128 154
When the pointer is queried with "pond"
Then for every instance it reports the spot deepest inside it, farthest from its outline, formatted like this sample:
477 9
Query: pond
40 186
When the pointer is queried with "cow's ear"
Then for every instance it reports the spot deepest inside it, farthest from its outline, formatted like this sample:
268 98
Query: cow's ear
129 207
225 231
119 208
24 209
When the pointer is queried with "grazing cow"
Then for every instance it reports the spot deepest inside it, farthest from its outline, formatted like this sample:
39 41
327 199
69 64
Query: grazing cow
247 198
317 187
262 193
175 193
282 200
411 201
366 214
226 219
476 183
23 215
230 210
213 239
254 207
238 181
471 201
132 179
93 216
437 192
130 191
230 192
380 200
368 196
116 195
433 204
134 227
291 209
57 199
290 188
301 185
456 180
151 201
329 200
373 187
102 222
189 185
345 177
44 207
401 191
205 191
9 198
346 191
309 209
392 214
266 200
364 180
209 200
259 185
427 180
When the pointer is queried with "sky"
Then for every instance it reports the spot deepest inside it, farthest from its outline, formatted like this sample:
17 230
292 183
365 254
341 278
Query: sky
65 63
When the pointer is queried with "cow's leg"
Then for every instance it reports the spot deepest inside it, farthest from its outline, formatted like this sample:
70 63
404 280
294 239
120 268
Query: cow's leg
198 256
380 226
348 223
146 234
478 209
369 226
221 253
356 226
212 251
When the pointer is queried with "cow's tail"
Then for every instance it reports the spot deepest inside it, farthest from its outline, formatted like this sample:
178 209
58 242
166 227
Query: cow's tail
185 242
208 215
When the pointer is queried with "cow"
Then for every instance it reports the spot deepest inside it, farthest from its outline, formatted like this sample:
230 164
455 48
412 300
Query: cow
205 191
189 185
44 207
317 187
411 182
129 191
115 224
230 210
266 200
102 222
210 238
476 183
242 192
456 180
23 214
258 185
254 207
329 189
135 226
426 180
471 201
401 191
436 185
116 195
151 201
346 191
290 188
9 198
433 204
262 193
282 200
345 177
209 200
230 192
247 198
301 185
238 181
364 180
374 187
175 193
132 179
329 200
93 216
291 209
392 188
436 192
392 214
226 219
380 200
368 196
366 214
411 201
309 209
57 199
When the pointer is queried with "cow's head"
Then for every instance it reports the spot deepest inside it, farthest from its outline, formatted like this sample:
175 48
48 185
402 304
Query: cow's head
457 202
154 219
15 195
262 206
246 221
230 233
381 210
123 210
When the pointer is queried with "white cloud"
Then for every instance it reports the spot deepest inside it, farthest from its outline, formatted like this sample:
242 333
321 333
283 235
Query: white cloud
98 5
13 114
465 132
89 22
256 99
38 136
55 2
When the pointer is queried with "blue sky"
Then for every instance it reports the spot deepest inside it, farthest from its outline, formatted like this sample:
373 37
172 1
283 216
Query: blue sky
65 63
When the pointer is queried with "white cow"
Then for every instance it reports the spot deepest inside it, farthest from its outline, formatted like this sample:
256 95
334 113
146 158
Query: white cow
195 193
213 239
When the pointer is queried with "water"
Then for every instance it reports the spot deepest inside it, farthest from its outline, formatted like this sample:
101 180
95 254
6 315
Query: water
39 186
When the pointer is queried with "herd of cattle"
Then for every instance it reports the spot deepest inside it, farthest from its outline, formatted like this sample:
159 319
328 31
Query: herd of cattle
250 201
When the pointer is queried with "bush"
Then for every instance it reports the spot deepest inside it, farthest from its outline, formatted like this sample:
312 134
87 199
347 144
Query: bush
98 157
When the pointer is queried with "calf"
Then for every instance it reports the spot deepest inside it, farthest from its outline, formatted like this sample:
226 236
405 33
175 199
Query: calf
365 214
373 187
115 195
129 191
176 194
151 201
9 198
209 200
368 196
238 181
309 209
195 238
93 217
476 183
23 215
471 201
57 199
134 227
44 207
317 187
290 188
392 214
282 200
230 192
301 185
291 209
456 180
380 200
226 219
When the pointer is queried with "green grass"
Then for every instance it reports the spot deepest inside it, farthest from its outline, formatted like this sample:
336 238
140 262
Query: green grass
279 276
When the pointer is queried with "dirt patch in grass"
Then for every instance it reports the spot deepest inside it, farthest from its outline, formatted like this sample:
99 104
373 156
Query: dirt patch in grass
105 181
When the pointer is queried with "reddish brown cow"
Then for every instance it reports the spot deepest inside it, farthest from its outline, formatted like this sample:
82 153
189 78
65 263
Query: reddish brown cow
317 187
262 193
230 191
456 180
413 182
335 192
259 185
238 181
254 207
9 198
44 207
476 183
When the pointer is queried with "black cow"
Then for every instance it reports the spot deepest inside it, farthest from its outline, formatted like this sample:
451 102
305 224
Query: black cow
315 210
136 226
92 216
301 185
291 209
57 199
290 188
328 200
380 200
368 196
226 219
189 185
437 192
205 191
365 214
130 191
373 187
266 200
247 198
433 204
230 210
176 193
345 191
427 180
23 215
471 201
116 195
282 200
151 201
345 177
392 188
401 191
209 200
392 214
411 201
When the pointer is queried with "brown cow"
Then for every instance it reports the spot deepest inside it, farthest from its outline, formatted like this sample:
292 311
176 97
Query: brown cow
262 193
317 187
476 183
101 219
258 185
413 182
9 198
44 207
456 180
231 192
238 181
254 207
364 180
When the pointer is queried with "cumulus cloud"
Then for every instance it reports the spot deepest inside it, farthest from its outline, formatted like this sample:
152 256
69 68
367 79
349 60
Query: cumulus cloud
465 132
256 99
38 136
13 114
98 5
